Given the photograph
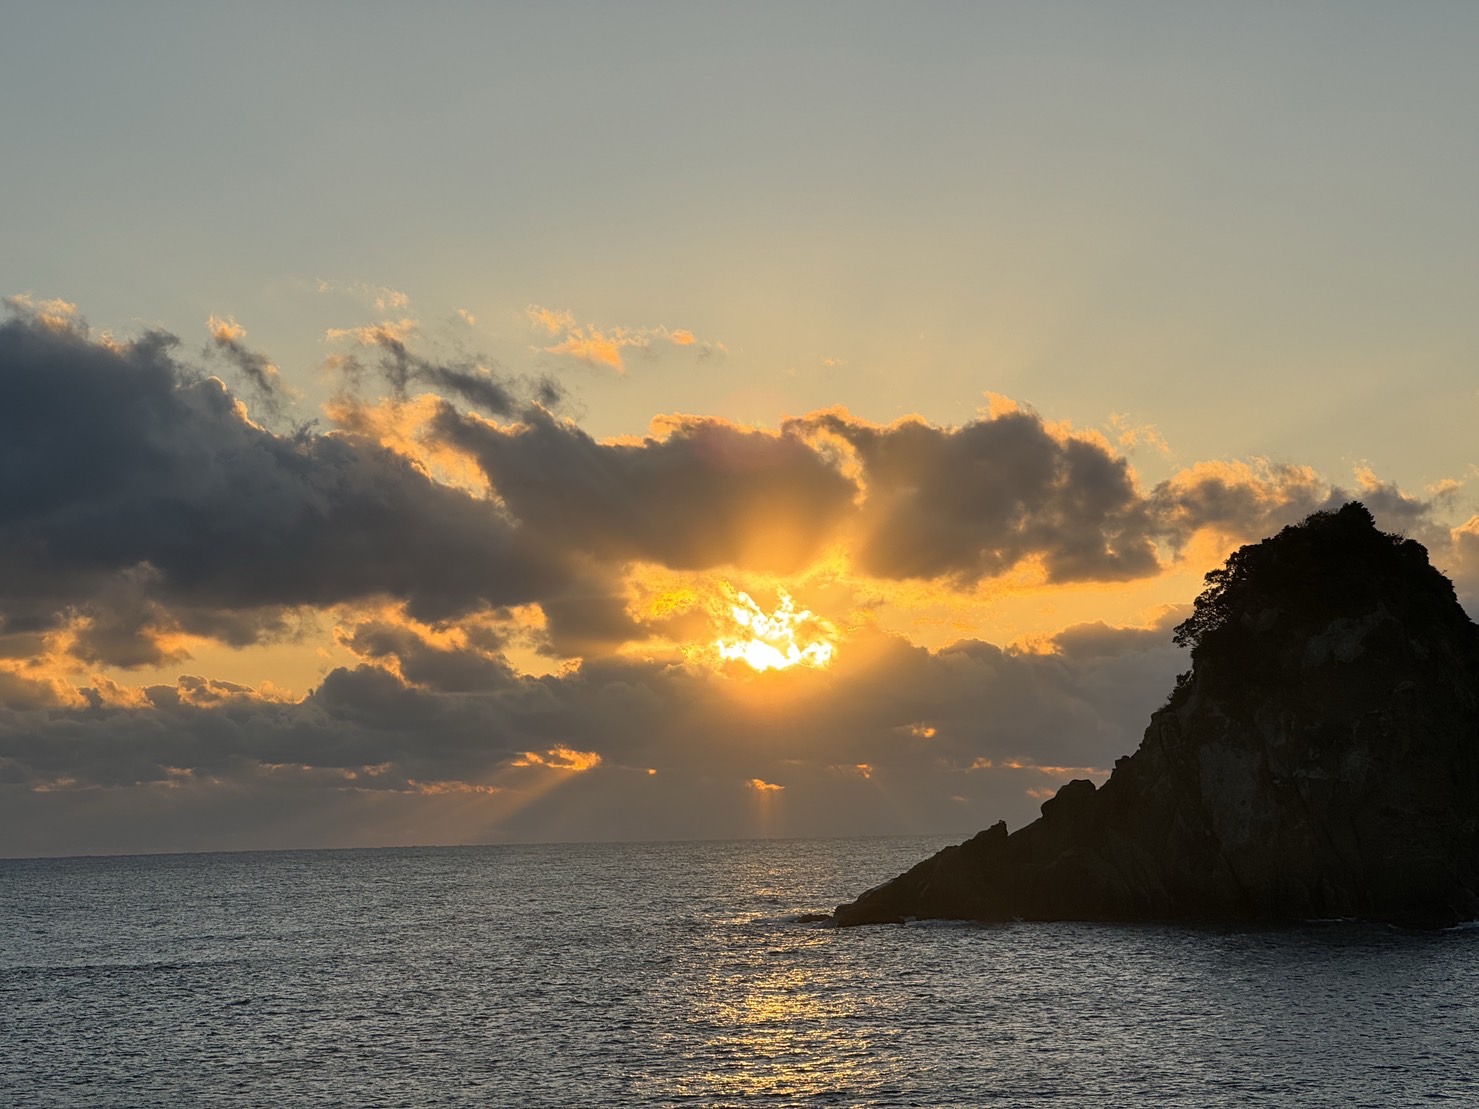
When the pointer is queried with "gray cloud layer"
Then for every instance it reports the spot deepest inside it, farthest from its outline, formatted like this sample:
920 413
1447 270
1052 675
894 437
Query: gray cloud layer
877 745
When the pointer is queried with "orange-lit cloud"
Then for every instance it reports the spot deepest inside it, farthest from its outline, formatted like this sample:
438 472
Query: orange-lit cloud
550 320
1240 499
599 346
560 757
259 371
225 329
596 348
376 334
54 314
1130 437
408 428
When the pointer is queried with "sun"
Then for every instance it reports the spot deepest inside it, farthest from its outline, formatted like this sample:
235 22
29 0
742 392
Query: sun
776 640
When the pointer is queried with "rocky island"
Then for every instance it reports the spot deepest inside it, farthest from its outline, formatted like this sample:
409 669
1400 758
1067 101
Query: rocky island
1320 759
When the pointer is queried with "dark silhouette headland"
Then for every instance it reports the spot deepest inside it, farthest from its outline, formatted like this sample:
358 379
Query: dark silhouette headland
1320 759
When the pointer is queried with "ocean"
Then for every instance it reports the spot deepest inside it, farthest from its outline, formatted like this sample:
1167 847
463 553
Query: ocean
678 974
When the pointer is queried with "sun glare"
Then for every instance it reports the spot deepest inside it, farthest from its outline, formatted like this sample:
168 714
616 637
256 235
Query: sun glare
775 640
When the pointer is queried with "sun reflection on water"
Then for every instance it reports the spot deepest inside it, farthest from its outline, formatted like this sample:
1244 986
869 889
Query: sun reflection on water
778 1034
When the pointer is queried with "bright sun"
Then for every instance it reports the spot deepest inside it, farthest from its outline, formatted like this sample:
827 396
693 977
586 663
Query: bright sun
776 640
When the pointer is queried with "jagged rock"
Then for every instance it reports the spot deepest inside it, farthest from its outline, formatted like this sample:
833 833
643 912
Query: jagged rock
1320 759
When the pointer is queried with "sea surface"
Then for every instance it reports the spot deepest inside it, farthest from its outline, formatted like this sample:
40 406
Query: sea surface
678 974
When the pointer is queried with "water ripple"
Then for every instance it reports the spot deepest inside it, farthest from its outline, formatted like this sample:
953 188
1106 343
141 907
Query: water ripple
679 974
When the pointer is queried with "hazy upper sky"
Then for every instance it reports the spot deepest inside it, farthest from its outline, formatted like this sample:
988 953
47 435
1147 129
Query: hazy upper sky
414 418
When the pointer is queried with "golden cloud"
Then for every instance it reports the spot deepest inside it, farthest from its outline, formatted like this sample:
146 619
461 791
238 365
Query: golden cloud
405 427
55 314
560 757
551 320
1130 436
594 348
225 329
599 346
377 334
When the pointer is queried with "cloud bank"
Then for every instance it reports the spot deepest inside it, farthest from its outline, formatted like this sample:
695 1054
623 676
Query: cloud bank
532 637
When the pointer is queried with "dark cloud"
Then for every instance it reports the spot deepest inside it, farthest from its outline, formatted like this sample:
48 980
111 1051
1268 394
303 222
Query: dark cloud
474 667
588 623
972 502
129 482
468 380
1238 500
1245 502
256 367
706 494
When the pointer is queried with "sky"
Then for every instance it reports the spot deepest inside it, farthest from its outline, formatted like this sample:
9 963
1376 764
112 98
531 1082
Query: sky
459 423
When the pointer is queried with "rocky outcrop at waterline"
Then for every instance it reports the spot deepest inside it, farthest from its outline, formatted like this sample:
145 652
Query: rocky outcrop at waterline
1320 759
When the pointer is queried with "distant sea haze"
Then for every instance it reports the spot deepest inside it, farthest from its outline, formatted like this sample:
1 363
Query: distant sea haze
678 974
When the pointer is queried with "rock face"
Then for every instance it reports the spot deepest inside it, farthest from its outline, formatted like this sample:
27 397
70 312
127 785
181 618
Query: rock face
1320 759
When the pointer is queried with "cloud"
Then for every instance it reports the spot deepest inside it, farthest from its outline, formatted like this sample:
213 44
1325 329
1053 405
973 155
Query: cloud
1461 559
1129 437
698 492
972 502
384 333
595 348
227 335
1239 499
399 366
140 507
383 297
453 661
590 618
560 757
603 347
841 742
1245 500
551 320
55 314
532 613
136 496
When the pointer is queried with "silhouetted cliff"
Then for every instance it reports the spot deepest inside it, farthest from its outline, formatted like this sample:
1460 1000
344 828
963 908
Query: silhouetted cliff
1320 759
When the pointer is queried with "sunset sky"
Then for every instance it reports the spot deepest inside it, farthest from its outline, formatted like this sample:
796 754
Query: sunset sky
467 423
